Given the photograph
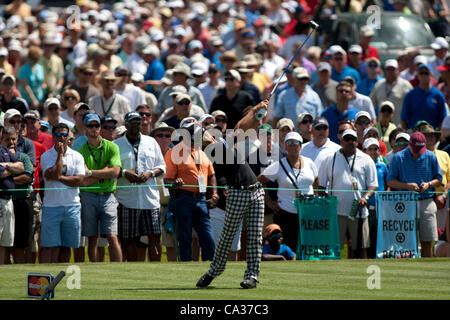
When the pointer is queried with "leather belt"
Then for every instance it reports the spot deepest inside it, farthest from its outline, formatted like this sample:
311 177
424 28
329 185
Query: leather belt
192 193
252 187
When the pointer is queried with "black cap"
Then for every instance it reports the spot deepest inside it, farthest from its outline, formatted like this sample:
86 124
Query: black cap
108 119
132 116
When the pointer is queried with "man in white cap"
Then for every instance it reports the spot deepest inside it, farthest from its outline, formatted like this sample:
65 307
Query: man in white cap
392 88
440 47
372 148
355 60
155 71
340 69
421 59
52 108
9 100
298 99
13 118
350 169
213 83
182 108
366 34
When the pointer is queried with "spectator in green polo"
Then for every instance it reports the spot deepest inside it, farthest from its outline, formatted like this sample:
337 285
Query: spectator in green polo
98 203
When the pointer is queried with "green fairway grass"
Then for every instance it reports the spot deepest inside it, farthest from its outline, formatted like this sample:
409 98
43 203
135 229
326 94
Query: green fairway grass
297 280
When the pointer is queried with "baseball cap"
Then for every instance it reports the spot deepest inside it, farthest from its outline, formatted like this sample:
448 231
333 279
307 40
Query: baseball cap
51 101
303 115
293 136
403 135
235 74
362 114
270 229
444 67
439 43
418 142
391 63
323 66
420 59
285 122
368 129
8 76
108 119
11 113
133 115
186 122
320 122
350 132
366 31
219 113
45 124
388 104
300 73
424 65
182 96
355 48
176 90
32 114
370 142
91 117
182 68
79 106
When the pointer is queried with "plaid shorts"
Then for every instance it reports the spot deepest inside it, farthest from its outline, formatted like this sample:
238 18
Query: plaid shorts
134 223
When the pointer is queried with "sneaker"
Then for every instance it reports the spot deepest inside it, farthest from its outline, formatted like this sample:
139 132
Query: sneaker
204 281
249 283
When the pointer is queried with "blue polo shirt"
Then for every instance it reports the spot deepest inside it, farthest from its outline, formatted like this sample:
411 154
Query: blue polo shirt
155 70
347 71
366 85
404 168
382 174
333 116
424 105
290 105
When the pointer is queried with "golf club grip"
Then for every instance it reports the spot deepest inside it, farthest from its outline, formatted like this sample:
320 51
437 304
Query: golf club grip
53 284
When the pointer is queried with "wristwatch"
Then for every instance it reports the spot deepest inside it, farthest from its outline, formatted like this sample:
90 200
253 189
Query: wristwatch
7 166
89 173
366 197
152 173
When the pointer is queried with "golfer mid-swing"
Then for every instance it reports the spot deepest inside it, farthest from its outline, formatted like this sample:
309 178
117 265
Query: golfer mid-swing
245 200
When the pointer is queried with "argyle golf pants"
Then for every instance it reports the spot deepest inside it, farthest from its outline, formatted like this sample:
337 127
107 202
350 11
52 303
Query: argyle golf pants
241 204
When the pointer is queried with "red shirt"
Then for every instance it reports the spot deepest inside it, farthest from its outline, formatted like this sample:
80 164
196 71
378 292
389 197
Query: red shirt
46 139
415 82
39 149
371 52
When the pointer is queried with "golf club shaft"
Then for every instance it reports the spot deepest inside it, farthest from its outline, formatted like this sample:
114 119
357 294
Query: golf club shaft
314 27
53 284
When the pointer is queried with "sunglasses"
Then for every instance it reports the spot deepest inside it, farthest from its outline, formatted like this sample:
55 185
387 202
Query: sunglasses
292 143
424 73
53 109
121 74
306 121
321 128
372 65
347 139
15 121
145 114
88 73
402 144
386 110
109 127
184 103
221 120
363 122
70 97
163 135
338 59
90 126
229 79
61 134
343 91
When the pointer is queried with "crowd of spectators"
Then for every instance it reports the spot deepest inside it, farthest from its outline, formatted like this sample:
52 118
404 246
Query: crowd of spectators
91 94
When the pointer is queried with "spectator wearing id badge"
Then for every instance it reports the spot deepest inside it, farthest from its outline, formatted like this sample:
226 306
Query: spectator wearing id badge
350 169
191 206
292 172
139 208
99 205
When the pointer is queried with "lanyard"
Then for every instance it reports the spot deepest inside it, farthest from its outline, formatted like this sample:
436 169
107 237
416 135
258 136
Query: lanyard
92 153
299 171
105 113
353 162
196 164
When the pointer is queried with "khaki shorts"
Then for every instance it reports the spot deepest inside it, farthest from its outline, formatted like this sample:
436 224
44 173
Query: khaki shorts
7 223
427 220
352 226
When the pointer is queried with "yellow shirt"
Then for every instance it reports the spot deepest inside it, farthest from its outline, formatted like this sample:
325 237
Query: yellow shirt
444 163
53 71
